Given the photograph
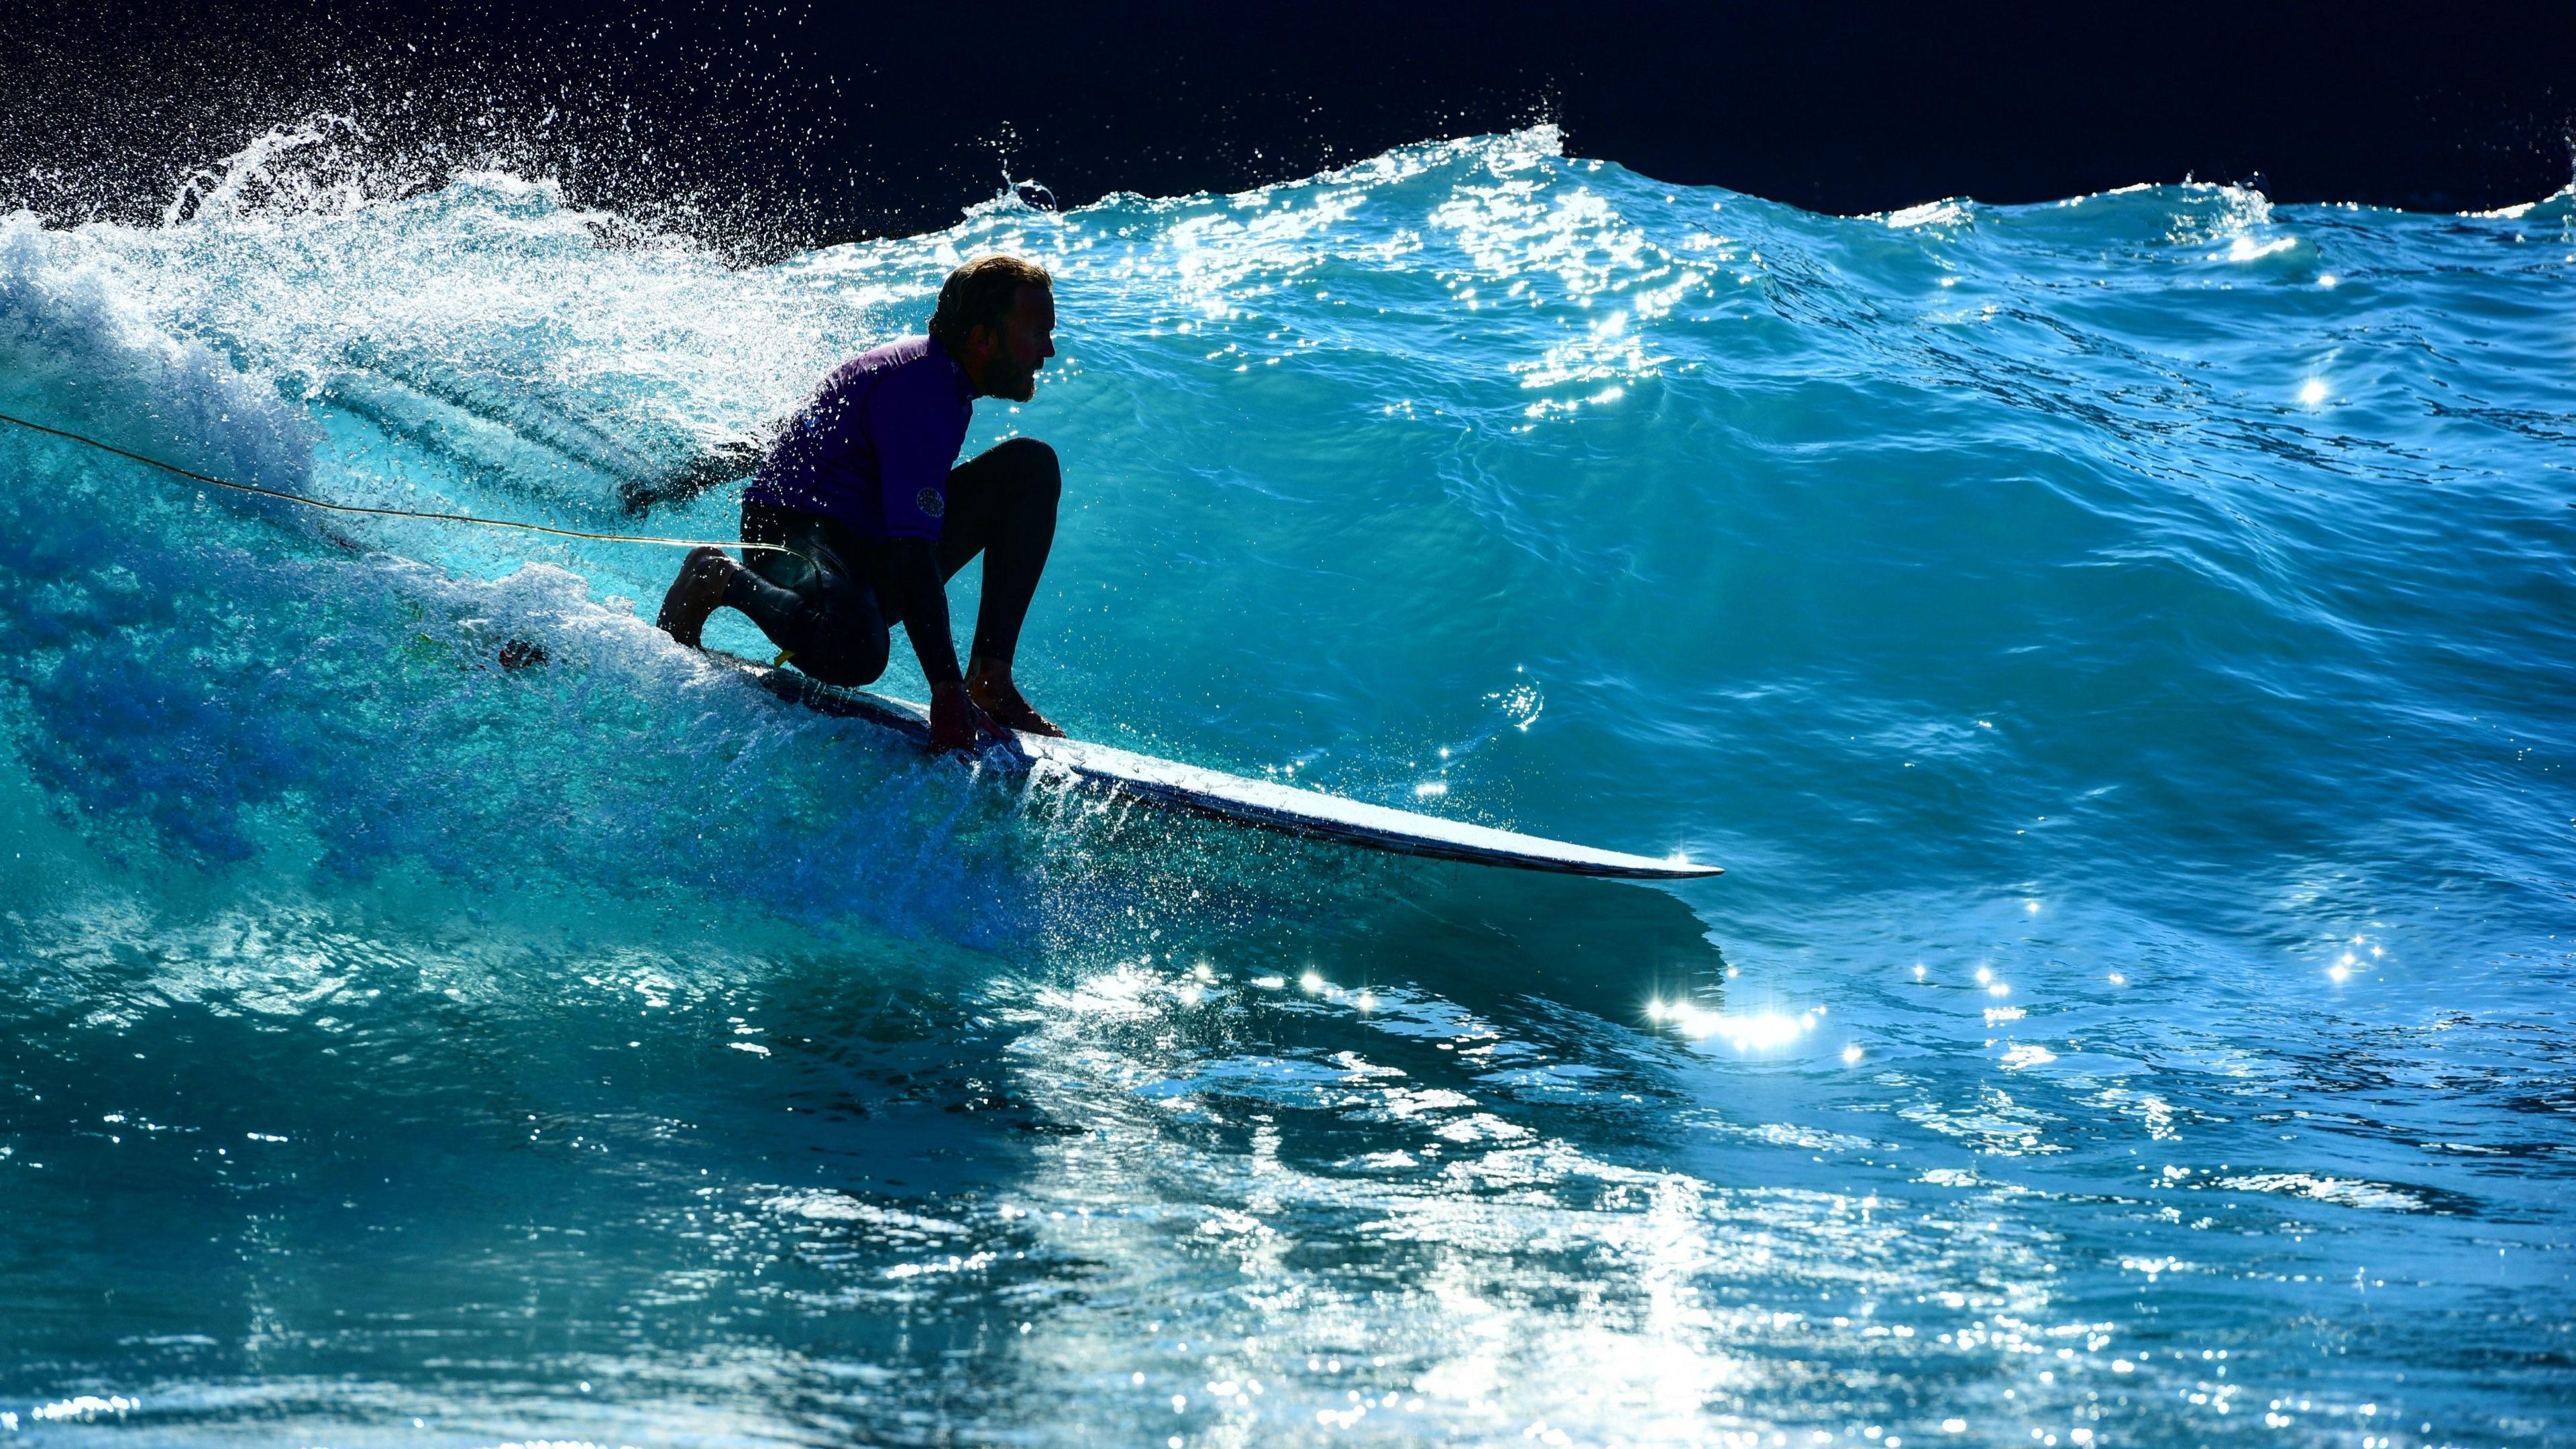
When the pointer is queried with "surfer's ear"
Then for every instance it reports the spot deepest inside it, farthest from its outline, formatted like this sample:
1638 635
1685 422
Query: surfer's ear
978 346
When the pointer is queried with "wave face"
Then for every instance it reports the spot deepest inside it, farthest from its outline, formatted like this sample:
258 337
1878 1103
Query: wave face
2122 649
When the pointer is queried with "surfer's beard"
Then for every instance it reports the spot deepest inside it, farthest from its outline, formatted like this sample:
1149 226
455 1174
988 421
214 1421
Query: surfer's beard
1004 378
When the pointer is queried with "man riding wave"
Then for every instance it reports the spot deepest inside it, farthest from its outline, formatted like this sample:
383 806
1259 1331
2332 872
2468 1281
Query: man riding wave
864 484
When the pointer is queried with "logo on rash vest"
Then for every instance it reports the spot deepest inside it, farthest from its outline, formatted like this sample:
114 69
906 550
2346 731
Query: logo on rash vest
931 502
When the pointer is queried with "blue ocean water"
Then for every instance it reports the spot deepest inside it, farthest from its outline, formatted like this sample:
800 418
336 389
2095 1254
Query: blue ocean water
2121 649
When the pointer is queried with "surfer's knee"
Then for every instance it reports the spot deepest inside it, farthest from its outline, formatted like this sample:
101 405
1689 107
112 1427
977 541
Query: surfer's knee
1033 467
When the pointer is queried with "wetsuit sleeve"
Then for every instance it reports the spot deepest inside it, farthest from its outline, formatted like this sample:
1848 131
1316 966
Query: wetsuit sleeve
811 467
919 424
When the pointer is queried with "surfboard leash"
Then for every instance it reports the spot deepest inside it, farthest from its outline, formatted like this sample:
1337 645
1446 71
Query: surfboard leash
260 492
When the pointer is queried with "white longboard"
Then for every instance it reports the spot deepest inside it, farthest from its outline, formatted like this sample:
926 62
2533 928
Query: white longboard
1233 797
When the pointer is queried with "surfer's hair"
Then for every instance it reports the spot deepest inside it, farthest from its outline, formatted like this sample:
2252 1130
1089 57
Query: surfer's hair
980 294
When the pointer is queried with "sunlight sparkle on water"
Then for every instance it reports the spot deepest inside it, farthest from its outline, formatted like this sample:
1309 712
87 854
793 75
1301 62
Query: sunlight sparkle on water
2313 391
1746 1032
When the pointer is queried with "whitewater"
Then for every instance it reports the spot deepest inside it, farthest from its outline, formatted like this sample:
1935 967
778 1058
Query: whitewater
2122 649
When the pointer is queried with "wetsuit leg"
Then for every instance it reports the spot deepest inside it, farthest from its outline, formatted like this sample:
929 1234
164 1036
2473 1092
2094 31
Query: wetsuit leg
1002 504
819 608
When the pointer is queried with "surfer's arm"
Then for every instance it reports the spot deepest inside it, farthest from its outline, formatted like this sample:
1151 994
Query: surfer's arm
916 422
912 569
921 601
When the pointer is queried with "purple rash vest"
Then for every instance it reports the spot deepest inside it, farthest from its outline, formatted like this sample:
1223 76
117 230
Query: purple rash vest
874 447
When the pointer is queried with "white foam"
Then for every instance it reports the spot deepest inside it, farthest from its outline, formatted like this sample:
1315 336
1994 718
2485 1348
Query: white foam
77 353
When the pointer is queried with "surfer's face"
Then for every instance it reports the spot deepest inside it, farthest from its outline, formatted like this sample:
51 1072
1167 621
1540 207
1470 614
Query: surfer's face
1022 346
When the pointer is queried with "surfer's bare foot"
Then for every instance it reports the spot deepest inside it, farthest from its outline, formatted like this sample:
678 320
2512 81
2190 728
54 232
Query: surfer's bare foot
993 693
694 595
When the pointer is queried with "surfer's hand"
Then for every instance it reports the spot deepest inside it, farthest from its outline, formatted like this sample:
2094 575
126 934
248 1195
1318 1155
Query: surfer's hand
955 722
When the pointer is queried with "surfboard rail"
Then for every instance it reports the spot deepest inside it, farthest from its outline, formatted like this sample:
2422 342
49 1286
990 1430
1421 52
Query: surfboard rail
1263 803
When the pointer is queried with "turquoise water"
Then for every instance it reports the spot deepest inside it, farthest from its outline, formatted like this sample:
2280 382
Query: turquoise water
2120 648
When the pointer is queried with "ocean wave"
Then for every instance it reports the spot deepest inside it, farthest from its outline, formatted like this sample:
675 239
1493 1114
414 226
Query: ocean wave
2116 644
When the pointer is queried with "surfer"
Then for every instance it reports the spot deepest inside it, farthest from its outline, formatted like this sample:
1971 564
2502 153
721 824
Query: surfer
865 484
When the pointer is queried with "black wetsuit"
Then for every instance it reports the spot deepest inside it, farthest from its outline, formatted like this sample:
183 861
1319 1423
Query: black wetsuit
831 616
